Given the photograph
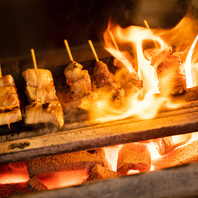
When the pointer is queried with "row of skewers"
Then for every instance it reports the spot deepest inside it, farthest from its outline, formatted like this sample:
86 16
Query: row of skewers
44 105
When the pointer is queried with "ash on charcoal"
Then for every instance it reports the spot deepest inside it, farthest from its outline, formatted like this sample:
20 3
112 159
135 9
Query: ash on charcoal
100 172
65 162
167 144
14 188
134 156
182 155
34 184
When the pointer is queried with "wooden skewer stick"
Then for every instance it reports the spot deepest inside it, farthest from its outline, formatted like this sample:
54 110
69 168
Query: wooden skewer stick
68 50
93 50
34 58
113 39
147 26
0 72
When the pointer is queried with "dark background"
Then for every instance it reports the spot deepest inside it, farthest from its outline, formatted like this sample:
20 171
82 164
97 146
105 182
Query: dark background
44 24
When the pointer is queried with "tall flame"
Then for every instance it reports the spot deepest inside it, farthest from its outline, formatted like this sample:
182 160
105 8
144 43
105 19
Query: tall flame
188 72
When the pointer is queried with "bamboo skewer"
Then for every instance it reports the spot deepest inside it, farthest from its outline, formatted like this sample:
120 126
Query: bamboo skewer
93 50
147 26
33 58
68 50
0 72
113 39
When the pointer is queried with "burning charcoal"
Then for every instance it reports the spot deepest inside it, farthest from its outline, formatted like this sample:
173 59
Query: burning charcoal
100 172
167 144
64 162
182 155
14 188
134 156
34 184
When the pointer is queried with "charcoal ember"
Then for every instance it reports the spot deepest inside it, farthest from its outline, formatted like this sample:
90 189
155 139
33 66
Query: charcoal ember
34 184
13 188
100 172
64 162
167 144
182 155
134 156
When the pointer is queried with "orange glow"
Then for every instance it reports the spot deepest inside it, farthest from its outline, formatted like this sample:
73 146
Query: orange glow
13 173
63 179
112 156
188 72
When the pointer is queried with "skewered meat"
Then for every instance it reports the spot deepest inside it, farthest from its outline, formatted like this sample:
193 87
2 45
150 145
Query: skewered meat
7 90
82 86
103 77
104 81
73 72
7 81
79 80
38 77
44 105
127 80
41 94
9 101
50 111
169 71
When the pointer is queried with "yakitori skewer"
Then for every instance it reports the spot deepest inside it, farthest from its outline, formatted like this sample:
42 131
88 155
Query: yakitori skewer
129 81
104 79
113 40
93 50
44 105
0 72
33 58
147 26
9 102
78 79
68 50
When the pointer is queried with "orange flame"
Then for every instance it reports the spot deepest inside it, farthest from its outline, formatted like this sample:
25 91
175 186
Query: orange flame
189 80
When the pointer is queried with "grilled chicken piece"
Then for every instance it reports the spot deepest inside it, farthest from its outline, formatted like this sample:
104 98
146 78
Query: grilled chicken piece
7 81
8 116
171 80
41 94
44 106
49 112
73 72
9 101
104 81
103 77
82 86
128 81
38 77
168 67
7 90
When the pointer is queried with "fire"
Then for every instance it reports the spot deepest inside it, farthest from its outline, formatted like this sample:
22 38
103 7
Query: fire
13 173
128 46
188 72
